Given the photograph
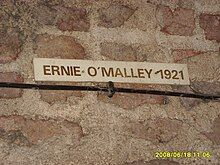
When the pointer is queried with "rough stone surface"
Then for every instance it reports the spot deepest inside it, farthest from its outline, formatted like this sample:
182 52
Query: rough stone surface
173 4
179 22
65 18
72 19
59 96
10 77
153 162
182 54
212 88
19 17
159 131
29 16
45 15
52 3
131 101
48 46
198 87
55 96
143 18
14 137
115 15
211 25
200 69
188 103
10 47
136 52
119 52
21 131
215 134
151 53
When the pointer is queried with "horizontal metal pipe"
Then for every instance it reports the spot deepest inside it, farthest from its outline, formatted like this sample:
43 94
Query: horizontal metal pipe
106 89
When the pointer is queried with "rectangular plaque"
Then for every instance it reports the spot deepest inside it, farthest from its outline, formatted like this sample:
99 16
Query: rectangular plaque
46 69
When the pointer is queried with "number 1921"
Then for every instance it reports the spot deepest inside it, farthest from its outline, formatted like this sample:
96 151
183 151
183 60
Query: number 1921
173 74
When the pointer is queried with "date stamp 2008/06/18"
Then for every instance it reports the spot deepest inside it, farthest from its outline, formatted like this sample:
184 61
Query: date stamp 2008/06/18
182 154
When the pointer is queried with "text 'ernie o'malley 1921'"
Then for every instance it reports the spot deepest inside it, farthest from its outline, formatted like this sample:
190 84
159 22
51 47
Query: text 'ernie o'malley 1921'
104 71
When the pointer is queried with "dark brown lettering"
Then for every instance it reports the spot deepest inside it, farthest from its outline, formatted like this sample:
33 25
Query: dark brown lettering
132 74
46 68
77 71
140 73
90 71
125 71
148 72
71 71
55 69
65 70
108 72
118 72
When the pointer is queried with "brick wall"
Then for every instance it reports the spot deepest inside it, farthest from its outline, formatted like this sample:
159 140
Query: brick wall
74 127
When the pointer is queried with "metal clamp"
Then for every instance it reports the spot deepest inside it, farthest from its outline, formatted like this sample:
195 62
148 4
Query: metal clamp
111 89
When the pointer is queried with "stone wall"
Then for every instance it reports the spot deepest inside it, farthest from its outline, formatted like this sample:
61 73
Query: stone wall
80 128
